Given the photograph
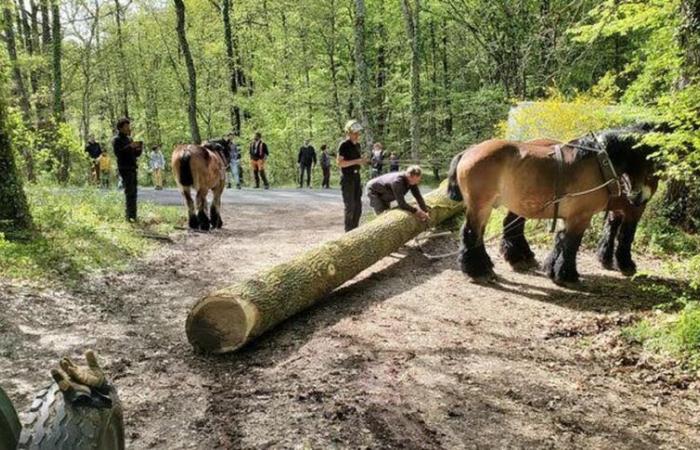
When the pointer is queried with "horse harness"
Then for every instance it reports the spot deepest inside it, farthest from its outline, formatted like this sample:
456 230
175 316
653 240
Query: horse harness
611 180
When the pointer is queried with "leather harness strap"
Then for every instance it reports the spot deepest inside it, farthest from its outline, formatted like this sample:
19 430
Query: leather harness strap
558 184
610 180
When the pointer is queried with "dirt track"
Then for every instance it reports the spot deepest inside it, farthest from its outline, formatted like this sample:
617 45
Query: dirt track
409 355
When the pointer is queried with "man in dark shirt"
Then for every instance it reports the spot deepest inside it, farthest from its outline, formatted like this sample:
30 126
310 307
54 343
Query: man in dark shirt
258 156
127 152
350 160
94 151
394 186
325 167
306 158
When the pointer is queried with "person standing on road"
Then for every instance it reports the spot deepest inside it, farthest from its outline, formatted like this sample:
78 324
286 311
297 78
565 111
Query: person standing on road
306 161
94 151
157 165
325 167
258 157
127 151
394 186
377 159
393 163
235 156
350 161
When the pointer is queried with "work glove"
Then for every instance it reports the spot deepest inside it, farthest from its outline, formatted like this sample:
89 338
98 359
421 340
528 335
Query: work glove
83 386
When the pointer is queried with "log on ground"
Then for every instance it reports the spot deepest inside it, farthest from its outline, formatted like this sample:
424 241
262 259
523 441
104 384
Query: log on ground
227 319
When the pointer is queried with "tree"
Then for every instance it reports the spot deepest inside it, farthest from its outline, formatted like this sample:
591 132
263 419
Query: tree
20 89
191 73
14 211
231 63
411 15
362 90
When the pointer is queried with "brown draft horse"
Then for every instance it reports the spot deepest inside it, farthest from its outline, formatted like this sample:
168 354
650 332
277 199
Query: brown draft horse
203 168
621 220
524 177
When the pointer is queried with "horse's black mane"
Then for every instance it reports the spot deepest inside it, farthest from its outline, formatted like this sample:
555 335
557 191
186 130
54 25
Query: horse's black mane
618 142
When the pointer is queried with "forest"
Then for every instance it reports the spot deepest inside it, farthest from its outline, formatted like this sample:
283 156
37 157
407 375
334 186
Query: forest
427 79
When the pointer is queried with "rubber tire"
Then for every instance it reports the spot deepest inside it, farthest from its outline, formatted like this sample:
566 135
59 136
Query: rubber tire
9 423
53 424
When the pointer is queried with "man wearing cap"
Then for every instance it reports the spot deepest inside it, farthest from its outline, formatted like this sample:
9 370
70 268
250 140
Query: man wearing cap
394 186
350 160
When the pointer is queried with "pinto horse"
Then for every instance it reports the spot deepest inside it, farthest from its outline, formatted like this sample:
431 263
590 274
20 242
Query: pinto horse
202 168
532 184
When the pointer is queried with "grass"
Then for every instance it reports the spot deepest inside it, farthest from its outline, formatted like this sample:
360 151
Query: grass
80 231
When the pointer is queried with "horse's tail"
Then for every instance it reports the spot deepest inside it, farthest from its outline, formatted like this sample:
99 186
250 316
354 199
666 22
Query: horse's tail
186 178
452 186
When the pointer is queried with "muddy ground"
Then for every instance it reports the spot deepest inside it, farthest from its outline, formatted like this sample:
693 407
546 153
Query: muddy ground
408 355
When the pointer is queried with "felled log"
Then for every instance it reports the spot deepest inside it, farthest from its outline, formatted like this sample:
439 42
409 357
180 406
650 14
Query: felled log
227 319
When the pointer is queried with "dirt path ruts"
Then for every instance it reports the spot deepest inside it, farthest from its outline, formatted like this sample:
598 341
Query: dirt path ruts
411 355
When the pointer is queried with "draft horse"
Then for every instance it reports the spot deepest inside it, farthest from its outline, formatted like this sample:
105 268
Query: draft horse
533 182
615 245
202 168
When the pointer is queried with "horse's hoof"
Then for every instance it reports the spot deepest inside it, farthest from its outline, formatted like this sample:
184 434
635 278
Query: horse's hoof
525 265
627 269
488 278
193 222
204 226
566 280
607 264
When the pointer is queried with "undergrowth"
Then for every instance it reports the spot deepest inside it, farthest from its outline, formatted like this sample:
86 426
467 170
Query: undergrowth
79 231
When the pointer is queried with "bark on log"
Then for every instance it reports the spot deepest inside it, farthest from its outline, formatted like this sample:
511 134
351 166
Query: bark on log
229 318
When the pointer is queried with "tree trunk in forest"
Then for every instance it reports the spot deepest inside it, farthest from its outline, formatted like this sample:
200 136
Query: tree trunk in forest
191 73
45 26
57 40
231 62
381 79
447 122
361 77
229 318
123 75
62 153
412 18
14 211
19 88
682 198
34 26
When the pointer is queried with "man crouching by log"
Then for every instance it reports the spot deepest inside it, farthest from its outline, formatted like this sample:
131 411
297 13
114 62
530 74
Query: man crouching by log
394 186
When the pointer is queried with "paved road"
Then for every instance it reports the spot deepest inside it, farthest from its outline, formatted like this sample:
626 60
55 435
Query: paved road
249 196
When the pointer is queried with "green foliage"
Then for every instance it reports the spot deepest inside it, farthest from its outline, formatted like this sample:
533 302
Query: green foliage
80 231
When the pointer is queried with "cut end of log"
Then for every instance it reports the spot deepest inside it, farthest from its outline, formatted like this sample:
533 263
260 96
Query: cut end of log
220 323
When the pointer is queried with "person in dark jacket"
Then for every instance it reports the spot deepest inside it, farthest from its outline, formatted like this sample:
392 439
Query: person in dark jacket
127 151
377 159
94 151
258 157
306 160
393 163
394 186
350 161
325 167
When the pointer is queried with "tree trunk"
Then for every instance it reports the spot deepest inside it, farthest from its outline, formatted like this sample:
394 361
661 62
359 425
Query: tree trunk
19 88
682 198
35 43
123 75
412 19
57 41
231 62
229 318
447 122
45 26
362 88
382 75
191 73
14 211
